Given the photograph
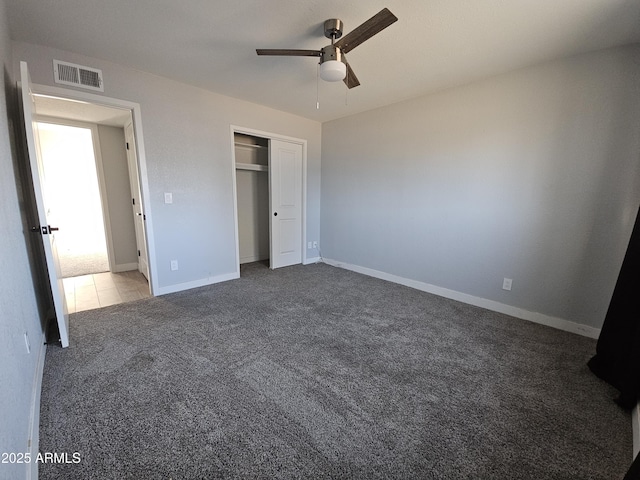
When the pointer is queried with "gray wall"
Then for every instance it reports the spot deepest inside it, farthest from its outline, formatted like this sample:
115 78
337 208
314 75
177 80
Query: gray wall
116 178
532 175
18 298
189 153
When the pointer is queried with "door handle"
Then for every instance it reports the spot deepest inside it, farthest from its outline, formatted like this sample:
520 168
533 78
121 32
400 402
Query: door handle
53 229
275 214
44 230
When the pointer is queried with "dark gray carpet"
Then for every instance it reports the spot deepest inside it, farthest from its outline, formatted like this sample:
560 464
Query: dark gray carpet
317 372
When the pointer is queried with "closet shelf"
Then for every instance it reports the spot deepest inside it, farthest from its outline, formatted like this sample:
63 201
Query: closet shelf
250 145
252 166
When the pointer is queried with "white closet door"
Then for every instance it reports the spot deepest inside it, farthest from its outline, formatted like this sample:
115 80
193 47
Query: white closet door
285 177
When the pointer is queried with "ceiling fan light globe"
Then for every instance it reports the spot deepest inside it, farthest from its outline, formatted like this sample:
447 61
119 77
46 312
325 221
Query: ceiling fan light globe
333 71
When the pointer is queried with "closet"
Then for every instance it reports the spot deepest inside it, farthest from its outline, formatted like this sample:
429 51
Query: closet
252 187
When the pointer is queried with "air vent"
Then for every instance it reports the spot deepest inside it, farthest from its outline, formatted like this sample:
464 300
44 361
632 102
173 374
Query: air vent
77 75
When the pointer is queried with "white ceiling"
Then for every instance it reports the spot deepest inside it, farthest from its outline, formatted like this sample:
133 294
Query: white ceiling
436 44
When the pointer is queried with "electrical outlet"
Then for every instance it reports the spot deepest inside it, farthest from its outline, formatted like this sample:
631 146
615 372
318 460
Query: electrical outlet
309 245
506 283
168 198
174 264
315 244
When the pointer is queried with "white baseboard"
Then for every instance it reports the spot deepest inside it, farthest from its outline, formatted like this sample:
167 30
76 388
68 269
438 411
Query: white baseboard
210 281
310 260
535 317
179 287
635 419
124 267
34 418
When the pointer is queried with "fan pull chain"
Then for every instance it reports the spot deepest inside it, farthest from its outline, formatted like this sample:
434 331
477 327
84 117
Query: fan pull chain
318 87
346 90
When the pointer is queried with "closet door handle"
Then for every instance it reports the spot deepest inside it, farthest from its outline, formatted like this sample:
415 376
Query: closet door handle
275 214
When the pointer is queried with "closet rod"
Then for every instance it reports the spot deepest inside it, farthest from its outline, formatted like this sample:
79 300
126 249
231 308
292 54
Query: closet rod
250 145
252 166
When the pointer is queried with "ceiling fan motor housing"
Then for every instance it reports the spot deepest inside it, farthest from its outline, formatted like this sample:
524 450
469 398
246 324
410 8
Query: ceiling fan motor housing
331 52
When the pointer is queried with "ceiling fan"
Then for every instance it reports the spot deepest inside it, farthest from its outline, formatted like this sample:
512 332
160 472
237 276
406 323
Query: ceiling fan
333 63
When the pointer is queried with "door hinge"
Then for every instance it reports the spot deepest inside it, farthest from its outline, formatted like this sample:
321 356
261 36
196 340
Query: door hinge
133 201
127 145
138 252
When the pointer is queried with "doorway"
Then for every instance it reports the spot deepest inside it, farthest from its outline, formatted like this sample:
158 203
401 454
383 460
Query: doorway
98 240
88 190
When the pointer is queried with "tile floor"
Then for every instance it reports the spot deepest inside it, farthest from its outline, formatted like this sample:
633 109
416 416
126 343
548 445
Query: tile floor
103 289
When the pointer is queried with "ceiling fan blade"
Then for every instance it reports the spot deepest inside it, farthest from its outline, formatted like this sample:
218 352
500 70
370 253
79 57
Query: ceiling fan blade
368 29
350 79
289 52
